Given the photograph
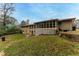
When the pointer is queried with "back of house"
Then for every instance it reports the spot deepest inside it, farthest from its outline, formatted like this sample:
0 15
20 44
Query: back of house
49 26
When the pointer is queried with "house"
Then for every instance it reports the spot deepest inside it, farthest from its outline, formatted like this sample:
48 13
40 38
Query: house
49 26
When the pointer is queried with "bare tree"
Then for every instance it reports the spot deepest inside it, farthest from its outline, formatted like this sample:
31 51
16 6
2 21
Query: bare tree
6 9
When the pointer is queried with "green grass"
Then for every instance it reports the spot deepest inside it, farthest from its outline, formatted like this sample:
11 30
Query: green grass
48 45
10 39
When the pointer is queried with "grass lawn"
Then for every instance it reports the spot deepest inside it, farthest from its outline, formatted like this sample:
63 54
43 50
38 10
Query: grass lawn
48 45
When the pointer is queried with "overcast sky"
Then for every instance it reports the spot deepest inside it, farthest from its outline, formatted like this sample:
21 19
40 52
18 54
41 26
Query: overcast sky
40 12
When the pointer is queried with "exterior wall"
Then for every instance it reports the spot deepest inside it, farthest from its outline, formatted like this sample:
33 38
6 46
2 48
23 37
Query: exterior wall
67 25
32 31
39 31
26 31
23 30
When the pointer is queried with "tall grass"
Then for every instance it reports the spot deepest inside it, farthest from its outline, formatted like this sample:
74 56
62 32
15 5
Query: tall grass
41 46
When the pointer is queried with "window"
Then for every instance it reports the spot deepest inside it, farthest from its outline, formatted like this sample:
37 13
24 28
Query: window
53 23
47 25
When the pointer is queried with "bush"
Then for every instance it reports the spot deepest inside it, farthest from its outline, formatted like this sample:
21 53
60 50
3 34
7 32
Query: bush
9 29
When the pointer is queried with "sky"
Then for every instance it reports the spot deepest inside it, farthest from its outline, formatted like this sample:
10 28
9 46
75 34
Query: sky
44 11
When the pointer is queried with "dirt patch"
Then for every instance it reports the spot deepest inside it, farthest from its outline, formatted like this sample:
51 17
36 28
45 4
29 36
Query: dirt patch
2 53
72 37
